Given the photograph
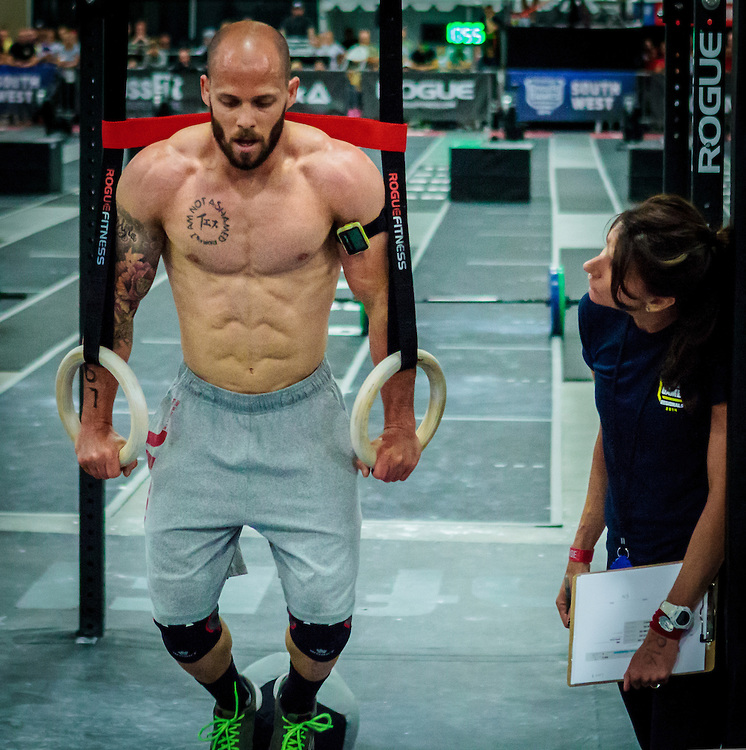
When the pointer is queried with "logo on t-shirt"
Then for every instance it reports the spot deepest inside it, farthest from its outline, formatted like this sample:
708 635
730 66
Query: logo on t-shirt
671 400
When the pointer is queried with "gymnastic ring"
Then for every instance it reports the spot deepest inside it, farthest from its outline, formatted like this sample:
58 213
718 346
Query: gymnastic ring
132 390
370 389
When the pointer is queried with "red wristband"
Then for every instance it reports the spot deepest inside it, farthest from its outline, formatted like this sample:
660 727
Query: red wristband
674 635
581 555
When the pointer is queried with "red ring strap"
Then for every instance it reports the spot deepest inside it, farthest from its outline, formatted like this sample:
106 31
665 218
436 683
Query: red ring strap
362 132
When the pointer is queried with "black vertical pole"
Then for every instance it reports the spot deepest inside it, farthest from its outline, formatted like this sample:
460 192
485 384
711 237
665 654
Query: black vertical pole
677 16
735 546
103 34
708 100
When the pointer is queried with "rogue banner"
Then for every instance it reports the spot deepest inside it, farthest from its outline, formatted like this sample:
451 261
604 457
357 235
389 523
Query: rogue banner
436 97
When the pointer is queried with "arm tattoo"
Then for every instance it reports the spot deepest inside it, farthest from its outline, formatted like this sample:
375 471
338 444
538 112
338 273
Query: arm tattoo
90 377
139 248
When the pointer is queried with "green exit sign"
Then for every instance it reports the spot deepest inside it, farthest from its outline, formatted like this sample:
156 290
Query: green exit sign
465 33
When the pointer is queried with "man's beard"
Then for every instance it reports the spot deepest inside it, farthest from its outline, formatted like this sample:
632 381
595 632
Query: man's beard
247 161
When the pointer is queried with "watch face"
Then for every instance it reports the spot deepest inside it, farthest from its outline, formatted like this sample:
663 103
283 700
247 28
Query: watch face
683 619
665 622
353 240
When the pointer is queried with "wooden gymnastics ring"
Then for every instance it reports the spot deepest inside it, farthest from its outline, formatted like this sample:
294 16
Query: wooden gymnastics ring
132 390
370 389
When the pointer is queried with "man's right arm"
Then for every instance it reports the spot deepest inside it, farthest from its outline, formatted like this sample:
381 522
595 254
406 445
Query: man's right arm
140 241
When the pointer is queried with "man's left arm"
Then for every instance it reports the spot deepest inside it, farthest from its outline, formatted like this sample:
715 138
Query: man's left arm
397 449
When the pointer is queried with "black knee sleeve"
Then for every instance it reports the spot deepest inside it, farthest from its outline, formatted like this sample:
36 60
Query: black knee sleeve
189 643
320 642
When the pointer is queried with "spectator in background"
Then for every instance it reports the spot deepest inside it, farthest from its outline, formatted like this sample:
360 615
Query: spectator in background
47 45
156 58
139 41
348 38
659 66
164 43
68 60
22 53
363 55
331 53
729 52
6 41
407 48
423 58
201 52
297 26
183 63
652 57
491 54
455 58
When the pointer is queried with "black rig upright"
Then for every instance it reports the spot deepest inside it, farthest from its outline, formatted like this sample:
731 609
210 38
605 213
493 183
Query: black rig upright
734 603
708 109
677 16
103 34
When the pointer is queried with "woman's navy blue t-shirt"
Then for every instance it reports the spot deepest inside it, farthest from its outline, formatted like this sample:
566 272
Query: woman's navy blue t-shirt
655 450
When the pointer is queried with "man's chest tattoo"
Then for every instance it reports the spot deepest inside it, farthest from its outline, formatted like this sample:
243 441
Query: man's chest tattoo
207 221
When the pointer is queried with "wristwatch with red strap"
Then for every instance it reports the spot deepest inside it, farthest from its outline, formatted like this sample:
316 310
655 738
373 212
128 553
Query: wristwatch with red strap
672 620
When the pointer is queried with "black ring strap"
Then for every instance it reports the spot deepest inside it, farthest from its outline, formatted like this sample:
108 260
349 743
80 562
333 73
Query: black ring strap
402 331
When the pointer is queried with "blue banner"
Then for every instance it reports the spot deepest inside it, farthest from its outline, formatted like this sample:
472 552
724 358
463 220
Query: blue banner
25 88
571 96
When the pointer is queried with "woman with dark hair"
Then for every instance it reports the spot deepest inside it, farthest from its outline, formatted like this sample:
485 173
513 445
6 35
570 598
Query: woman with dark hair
655 333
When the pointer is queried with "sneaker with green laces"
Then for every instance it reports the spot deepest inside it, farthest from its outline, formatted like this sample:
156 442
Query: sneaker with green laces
232 730
297 731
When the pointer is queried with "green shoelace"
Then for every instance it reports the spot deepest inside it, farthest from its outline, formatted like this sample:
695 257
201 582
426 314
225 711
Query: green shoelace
295 734
225 732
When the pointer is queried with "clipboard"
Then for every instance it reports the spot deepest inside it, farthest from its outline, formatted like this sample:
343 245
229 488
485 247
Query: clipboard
609 616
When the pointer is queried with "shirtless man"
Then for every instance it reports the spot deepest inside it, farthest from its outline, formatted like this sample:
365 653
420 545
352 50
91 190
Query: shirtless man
253 431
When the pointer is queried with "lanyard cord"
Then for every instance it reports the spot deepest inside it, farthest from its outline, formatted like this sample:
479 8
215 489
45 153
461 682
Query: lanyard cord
624 499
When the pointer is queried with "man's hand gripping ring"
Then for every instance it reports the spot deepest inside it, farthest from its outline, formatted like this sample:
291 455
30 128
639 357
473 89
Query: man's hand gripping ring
132 390
370 389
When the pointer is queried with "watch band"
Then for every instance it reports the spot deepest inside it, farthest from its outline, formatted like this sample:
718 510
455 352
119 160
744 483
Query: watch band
662 625
672 620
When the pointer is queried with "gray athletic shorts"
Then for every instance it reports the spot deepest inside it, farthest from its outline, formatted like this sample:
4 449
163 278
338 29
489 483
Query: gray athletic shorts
279 462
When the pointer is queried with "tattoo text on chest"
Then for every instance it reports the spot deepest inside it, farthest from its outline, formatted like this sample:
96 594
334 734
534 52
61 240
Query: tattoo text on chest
207 221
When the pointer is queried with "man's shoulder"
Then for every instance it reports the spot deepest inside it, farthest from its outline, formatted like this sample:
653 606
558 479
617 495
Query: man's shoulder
158 170
341 172
322 153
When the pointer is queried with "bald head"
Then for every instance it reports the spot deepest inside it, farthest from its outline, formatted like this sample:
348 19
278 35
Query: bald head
248 40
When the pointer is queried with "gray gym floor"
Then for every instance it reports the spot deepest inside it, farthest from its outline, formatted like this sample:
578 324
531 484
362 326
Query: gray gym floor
456 642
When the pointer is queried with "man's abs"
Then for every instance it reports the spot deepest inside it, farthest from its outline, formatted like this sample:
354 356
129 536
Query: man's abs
254 335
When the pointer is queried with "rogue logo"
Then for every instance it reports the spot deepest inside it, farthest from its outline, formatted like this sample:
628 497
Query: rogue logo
401 255
444 91
709 101
103 228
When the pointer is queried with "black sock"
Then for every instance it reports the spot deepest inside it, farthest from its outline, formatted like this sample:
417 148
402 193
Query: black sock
224 689
298 693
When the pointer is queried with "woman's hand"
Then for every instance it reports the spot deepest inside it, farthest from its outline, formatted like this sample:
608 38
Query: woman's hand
652 663
563 599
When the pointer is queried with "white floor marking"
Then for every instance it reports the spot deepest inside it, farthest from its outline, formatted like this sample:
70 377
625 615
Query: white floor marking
613 197
555 442
20 224
48 292
388 530
65 344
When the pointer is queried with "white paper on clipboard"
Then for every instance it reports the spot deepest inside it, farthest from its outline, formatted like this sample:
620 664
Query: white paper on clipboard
610 615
